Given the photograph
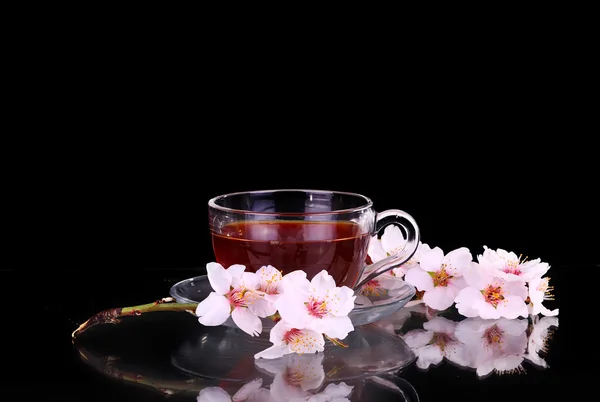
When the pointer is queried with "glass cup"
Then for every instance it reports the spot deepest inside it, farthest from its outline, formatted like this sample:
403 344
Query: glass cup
309 230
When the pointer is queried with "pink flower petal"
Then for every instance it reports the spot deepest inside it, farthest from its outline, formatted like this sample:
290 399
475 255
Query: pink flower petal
340 301
220 280
419 279
376 251
247 390
465 301
321 283
417 338
262 308
439 298
432 260
513 307
213 394
334 327
236 270
291 308
429 355
246 321
508 363
214 310
392 239
440 324
273 352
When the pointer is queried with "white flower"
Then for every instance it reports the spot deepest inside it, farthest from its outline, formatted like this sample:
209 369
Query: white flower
434 342
510 267
540 290
295 375
286 340
440 276
269 283
250 392
392 241
538 339
490 297
317 305
236 294
493 345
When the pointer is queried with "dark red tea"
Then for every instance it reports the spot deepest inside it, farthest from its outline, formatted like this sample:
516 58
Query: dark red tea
337 247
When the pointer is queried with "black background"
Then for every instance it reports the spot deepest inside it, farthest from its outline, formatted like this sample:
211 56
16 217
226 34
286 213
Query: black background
132 146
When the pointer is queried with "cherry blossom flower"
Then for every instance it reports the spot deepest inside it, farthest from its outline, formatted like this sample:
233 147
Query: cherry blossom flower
249 392
511 267
316 305
541 331
392 241
236 294
286 340
490 297
269 283
539 291
440 276
435 342
493 345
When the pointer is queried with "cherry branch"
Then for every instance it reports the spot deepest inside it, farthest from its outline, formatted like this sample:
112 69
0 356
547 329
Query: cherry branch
114 315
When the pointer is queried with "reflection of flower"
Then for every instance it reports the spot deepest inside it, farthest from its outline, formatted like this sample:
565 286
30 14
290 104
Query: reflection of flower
250 392
296 378
236 293
440 276
493 345
295 375
299 377
434 342
486 345
538 339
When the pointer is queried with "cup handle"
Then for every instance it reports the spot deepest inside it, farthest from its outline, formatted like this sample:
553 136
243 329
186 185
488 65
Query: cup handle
404 253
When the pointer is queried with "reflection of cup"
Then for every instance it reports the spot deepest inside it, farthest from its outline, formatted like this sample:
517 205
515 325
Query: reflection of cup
309 230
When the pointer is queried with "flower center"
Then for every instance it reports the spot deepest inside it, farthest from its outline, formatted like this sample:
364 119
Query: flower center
240 297
441 277
514 266
292 336
493 294
316 308
373 288
493 335
442 340
293 377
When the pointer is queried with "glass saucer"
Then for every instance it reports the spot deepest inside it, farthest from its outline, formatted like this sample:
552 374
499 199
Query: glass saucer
227 354
367 308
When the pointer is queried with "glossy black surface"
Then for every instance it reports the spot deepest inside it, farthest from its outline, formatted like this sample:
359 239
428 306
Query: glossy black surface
130 361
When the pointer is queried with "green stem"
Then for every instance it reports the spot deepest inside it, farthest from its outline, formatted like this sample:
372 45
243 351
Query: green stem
113 315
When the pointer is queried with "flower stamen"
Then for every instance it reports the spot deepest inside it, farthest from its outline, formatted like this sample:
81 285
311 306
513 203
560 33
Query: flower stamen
240 297
316 308
441 277
493 295
493 336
